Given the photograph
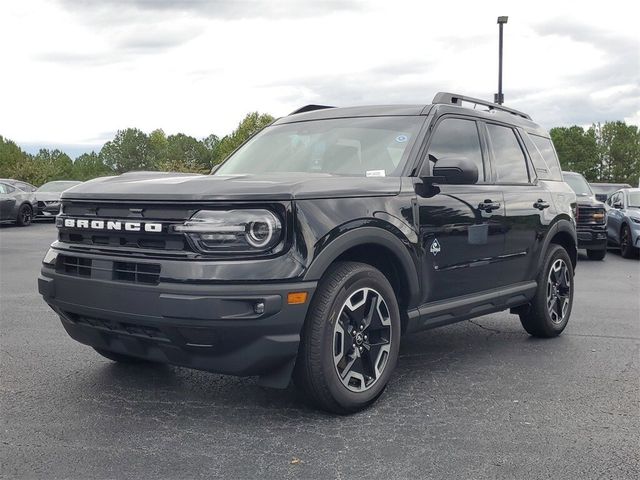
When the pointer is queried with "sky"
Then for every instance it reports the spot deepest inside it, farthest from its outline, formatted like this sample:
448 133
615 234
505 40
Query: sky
76 71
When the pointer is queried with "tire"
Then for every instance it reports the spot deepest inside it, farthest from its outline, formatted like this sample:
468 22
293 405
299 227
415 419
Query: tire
550 309
626 248
341 367
25 215
596 254
119 357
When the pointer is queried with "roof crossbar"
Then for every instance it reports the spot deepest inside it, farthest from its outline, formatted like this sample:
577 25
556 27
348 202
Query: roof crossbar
310 108
445 98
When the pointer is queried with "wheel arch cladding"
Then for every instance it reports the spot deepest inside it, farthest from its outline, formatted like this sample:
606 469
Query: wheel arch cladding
378 248
562 233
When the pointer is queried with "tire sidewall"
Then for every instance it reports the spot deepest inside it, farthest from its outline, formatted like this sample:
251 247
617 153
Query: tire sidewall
368 278
22 208
555 254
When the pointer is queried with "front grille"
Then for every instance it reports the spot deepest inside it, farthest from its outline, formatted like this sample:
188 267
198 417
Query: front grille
147 273
165 243
590 216
122 328
136 272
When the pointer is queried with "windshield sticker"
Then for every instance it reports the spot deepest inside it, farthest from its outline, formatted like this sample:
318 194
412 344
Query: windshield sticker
375 173
401 138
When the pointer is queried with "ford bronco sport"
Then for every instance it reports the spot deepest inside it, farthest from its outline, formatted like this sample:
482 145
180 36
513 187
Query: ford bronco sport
319 243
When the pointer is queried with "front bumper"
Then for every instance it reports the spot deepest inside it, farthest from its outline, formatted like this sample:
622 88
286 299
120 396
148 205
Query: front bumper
211 327
47 210
592 237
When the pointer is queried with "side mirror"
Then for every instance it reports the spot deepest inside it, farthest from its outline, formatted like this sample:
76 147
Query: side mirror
618 205
456 170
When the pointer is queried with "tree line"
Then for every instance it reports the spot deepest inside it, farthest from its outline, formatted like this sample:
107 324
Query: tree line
608 152
131 149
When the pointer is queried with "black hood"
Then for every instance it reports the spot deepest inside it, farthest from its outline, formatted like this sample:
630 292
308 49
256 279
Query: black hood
193 187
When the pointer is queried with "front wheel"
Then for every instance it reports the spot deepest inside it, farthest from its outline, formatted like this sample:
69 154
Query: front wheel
549 312
350 340
626 247
596 254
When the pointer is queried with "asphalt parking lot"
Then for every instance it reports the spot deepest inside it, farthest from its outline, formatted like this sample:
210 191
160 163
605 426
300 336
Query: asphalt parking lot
478 399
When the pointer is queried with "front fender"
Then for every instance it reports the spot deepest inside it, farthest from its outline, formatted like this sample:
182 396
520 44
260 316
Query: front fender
331 247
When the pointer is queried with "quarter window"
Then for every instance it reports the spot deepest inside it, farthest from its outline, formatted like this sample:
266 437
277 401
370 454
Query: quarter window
457 137
510 162
545 148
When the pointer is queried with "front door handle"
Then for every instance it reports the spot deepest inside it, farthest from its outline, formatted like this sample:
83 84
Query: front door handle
488 206
540 204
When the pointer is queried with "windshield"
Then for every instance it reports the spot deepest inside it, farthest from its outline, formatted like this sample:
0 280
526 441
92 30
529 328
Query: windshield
56 186
365 146
634 199
578 184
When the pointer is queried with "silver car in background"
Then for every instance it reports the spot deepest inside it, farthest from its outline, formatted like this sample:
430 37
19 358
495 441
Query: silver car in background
48 197
623 221
16 201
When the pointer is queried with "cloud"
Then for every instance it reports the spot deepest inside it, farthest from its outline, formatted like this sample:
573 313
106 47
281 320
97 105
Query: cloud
610 90
220 9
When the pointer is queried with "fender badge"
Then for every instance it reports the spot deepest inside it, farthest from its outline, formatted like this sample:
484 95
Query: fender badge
435 247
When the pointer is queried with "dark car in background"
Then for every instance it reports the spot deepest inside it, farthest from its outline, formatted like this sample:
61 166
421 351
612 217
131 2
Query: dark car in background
623 221
16 201
603 191
591 218
48 197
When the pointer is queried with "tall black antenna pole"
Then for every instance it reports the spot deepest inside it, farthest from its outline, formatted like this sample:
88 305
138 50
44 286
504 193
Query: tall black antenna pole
499 97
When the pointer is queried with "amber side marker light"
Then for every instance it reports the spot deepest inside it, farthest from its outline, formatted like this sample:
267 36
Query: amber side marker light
296 298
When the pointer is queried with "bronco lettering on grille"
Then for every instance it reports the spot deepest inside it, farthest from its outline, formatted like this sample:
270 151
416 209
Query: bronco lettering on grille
117 225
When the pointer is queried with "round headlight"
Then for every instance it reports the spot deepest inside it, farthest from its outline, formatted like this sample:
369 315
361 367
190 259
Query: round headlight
259 233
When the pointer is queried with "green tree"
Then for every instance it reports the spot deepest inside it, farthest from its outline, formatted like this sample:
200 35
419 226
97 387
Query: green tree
128 151
52 165
11 156
577 150
618 152
250 125
186 154
88 166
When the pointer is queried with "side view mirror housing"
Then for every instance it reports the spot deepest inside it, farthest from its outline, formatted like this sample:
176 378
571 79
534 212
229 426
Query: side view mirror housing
618 205
456 170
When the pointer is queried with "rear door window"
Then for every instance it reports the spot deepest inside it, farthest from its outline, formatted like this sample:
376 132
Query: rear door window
510 163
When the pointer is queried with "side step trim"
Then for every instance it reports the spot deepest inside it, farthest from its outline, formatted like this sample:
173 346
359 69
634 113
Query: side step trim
445 312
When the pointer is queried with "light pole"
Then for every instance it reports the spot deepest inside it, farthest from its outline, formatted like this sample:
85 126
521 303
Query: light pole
499 97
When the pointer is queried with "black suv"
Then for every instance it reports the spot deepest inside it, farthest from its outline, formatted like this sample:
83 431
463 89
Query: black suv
591 217
319 243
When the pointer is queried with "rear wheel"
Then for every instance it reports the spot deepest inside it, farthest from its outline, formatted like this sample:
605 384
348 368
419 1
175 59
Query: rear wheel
350 340
549 312
626 247
596 254
25 215
119 357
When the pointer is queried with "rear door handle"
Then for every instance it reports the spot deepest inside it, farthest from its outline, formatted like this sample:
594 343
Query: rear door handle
488 206
540 204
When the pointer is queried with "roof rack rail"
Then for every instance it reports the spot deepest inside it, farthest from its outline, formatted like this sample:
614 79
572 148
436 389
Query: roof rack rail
445 98
310 108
